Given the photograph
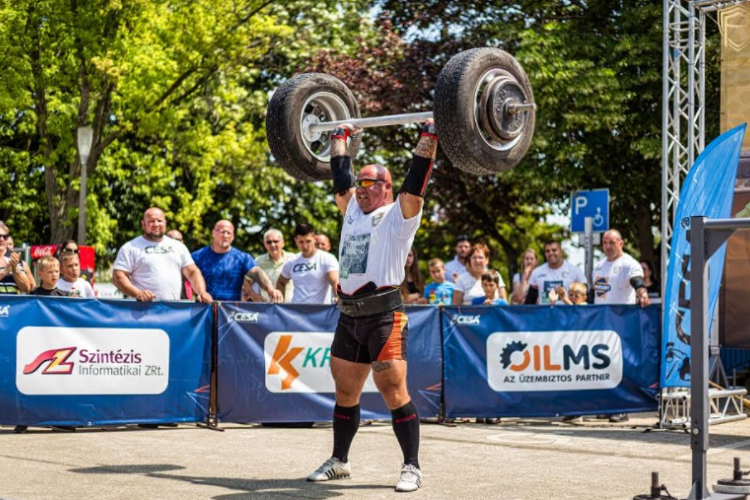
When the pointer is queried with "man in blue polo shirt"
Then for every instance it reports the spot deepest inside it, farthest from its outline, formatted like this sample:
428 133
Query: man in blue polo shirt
225 268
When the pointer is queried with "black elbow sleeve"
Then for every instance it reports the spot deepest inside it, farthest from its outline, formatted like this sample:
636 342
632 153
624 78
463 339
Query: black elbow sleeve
417 177
637 282
343 176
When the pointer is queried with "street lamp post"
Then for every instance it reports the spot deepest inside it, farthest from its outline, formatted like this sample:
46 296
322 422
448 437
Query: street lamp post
85 138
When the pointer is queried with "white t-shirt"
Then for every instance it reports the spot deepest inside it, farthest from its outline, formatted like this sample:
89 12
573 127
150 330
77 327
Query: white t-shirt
310 276
374 246
454 267
612 280
545 279
155 266
471 287
83 287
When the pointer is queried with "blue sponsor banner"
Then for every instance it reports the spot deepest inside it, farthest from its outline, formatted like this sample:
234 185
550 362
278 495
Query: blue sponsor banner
89 362
543 361
708 191
274 363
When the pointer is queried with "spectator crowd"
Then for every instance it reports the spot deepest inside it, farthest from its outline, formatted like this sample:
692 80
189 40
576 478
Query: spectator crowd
158 266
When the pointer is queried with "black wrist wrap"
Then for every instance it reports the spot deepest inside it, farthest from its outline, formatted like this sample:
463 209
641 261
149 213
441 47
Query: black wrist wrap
343 177
417 176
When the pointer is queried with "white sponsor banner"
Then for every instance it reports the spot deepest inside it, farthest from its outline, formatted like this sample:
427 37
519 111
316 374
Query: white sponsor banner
301 362
93 361
554 361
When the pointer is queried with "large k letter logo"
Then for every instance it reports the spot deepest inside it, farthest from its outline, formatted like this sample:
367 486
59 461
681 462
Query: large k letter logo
57 359
282 360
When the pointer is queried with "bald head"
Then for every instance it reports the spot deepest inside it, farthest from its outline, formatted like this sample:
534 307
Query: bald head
379 193
612 244
223 234
154 223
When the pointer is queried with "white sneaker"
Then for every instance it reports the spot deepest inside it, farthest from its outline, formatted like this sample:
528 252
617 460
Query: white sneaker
410 480
333 468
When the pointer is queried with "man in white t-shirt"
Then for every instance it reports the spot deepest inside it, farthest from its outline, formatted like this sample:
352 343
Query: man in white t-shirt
618 279
457 266
315 272
372 332
554 273
150 267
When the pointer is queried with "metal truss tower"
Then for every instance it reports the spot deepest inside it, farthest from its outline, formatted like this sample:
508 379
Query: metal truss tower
683 101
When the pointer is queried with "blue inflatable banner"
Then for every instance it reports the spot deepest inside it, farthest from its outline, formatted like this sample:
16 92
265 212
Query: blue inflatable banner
544 361
708 190
85 362
274 363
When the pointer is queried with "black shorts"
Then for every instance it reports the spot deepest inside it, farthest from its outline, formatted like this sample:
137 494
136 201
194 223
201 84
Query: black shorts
380 337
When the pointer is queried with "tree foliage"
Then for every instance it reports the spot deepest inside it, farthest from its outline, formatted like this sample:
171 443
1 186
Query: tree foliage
175 92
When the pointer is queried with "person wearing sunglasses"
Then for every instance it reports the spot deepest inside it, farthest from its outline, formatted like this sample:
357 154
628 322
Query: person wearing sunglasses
272 262
14 277
372 332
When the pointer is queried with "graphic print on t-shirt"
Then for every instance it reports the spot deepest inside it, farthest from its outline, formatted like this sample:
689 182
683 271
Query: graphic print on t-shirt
354 255
158 249
602 286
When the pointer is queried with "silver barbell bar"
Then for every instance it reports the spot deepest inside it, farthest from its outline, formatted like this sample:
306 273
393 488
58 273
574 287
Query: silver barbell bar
375 121
383 121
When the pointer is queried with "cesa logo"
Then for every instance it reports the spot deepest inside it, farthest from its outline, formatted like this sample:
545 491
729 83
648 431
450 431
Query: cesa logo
4 311
463 319
56 360
304 267
558 360
244 316
300 362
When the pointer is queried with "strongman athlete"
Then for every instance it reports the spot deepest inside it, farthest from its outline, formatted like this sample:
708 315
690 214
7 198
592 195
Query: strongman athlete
372 330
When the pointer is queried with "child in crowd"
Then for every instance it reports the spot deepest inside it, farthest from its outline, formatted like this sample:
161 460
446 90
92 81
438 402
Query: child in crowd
49 271
576 294
490 285
440 291
71 281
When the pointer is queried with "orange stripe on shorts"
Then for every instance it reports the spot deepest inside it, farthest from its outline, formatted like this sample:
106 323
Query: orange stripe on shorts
392 347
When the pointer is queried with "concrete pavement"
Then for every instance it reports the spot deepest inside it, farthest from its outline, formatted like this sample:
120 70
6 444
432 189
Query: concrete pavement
519 459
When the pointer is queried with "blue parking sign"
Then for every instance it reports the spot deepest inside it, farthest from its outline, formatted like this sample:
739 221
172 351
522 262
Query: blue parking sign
594 204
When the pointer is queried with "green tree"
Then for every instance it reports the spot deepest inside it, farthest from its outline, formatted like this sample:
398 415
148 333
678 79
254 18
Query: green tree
175 92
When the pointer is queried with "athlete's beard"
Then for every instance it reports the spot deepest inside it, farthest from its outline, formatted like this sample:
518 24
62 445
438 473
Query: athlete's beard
156 235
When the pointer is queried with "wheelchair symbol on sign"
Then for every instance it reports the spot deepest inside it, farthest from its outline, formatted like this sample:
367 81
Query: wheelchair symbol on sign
598 219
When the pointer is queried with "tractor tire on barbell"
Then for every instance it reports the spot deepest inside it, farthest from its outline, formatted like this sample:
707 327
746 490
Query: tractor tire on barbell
303 100
476 131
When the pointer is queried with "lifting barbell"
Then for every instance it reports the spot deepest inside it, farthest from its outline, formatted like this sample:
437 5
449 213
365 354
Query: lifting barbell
484 114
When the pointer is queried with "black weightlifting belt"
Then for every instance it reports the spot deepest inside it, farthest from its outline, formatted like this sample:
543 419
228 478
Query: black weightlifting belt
378 301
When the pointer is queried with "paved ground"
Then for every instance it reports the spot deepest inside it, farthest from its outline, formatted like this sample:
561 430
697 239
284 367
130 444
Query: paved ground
519 459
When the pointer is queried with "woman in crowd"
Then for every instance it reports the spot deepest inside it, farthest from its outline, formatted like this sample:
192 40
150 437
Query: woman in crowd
469 285
70 246
14 274
412 288
652 284
521 280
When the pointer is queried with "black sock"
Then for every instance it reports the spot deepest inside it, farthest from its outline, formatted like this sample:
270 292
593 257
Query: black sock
345 426
405 421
